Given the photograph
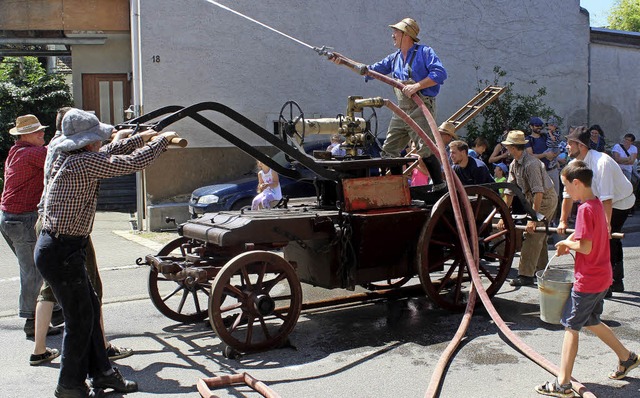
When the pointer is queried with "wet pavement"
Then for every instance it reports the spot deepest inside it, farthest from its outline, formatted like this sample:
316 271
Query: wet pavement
382 349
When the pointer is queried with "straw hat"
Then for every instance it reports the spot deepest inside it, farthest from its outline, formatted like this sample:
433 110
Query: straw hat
26 124
448 128
515 137
409 27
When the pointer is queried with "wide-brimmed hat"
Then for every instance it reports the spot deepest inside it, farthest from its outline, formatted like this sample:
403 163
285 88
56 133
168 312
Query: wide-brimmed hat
448 128
409 27
581 135
81 128
515 137
26 124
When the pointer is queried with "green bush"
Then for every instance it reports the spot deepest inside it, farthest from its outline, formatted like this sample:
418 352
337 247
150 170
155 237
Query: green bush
25 88
511 111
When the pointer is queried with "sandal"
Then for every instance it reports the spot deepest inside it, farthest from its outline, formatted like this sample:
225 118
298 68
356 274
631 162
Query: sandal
555 390
48 355
626 366
115 352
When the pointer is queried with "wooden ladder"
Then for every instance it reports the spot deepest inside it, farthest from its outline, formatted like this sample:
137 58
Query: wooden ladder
475 105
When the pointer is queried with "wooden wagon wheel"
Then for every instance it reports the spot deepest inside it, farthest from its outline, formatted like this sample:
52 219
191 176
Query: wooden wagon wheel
255 302
442 268
181 301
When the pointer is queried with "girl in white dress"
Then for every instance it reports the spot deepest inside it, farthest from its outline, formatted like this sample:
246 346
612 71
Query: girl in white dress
268 188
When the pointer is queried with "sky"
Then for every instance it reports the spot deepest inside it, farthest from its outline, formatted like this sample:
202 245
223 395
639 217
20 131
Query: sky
598 11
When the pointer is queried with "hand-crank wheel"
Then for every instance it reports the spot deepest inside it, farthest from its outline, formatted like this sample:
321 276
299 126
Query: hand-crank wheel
290 115
255 302
442 268
182 301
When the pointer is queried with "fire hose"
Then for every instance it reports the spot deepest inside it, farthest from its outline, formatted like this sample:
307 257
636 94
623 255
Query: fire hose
470 253
470 249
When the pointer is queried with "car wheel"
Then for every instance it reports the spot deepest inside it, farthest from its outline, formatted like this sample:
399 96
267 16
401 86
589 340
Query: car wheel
241 204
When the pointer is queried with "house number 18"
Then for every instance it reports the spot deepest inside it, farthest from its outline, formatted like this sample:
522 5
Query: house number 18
155 58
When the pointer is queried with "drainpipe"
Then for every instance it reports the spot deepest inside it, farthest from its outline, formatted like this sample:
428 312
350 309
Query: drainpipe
589 79
136 80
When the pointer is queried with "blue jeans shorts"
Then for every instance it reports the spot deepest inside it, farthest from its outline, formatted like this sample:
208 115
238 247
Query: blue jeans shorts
582 309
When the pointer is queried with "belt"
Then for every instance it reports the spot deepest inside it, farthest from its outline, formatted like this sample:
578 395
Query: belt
60 236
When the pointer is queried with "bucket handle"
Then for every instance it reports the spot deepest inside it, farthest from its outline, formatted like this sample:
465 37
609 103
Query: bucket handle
551 259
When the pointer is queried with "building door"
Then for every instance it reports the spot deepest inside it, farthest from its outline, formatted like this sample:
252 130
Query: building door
108 95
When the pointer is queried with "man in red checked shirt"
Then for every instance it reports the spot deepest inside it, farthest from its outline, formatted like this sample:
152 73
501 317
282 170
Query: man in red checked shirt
23 183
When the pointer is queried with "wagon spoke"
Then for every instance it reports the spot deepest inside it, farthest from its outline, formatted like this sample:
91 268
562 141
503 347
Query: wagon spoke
196 302
446 278
268 285
263 270
236 322
168 296
486 273
182 301
230 307
265 329
245 277
250 319
278 313
233 291
487 222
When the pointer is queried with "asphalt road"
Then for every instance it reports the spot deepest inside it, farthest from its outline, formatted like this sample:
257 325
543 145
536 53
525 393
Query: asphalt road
382 349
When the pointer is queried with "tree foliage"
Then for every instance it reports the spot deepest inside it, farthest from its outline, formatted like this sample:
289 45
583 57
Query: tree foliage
625 15
511 111
25 87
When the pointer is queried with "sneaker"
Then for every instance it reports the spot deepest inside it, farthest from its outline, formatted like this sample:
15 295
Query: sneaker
115 381
115 352
48 355
78 392
57 317
30 329
522 280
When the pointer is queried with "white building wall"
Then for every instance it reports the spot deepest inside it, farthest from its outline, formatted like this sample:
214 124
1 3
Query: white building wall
615 100
209 54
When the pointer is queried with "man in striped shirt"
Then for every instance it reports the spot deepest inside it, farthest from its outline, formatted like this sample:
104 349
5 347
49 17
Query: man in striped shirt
69 210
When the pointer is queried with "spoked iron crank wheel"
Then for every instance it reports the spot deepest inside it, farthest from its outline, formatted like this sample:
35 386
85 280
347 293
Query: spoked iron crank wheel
442 267
256 301
183 301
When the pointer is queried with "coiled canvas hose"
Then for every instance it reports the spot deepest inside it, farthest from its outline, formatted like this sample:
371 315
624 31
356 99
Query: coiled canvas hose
470 248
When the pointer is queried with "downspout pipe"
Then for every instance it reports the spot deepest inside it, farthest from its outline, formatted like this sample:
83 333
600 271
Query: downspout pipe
136 83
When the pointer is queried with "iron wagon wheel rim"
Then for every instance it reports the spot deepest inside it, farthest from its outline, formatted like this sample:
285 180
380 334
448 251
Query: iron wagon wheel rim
180 290
238 322
439 245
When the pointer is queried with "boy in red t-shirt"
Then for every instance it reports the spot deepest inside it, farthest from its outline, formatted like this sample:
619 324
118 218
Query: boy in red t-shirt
593 277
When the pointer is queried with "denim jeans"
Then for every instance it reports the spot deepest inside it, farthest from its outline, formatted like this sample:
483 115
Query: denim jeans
19 232
61 262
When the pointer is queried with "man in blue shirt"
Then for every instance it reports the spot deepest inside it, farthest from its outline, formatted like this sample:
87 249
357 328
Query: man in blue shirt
420 69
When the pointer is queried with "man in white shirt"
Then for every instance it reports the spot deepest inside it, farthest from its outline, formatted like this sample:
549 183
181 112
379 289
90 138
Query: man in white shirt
611 187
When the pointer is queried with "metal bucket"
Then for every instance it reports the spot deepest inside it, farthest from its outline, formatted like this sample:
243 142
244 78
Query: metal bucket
555 287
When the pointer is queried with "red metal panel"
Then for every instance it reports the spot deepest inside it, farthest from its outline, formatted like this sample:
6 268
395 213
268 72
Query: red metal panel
376 192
